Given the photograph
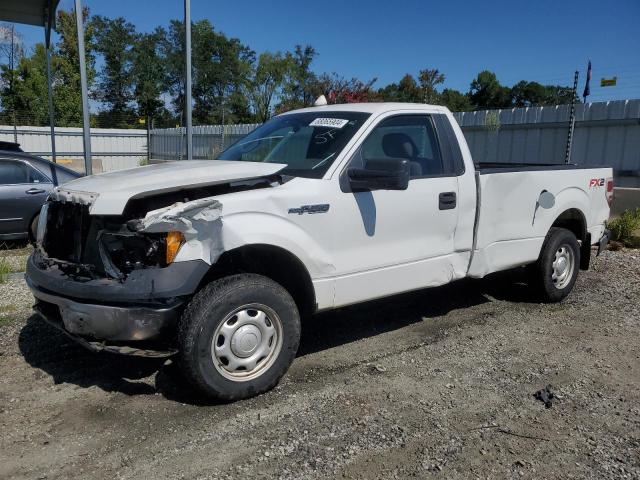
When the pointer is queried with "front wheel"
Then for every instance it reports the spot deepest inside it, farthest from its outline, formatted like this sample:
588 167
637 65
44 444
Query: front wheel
556 271
238 336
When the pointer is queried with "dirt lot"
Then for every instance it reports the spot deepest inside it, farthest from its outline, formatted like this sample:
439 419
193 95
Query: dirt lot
434 383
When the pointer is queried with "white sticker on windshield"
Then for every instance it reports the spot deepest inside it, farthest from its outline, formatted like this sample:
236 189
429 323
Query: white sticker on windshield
329 122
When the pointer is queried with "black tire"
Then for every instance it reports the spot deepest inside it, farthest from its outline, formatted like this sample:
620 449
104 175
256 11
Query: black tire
550 286
214 306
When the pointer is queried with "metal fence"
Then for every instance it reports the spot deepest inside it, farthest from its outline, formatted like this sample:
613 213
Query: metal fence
208 141
112 149
606 134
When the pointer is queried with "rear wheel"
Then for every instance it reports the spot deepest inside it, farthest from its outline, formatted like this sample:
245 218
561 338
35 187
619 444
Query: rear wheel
238 336
556 271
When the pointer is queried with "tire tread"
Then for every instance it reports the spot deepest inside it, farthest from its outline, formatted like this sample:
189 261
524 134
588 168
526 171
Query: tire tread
192 320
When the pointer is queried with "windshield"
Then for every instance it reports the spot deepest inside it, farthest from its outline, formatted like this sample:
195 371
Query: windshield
307 142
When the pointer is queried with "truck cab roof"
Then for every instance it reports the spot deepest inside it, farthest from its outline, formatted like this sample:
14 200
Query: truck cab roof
373 107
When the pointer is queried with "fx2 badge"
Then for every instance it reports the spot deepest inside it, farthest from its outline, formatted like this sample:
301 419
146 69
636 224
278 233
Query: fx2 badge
320 208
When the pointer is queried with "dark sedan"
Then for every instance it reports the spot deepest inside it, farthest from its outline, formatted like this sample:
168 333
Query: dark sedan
25 182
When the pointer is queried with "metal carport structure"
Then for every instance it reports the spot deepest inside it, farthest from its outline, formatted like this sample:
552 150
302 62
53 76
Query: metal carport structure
42 13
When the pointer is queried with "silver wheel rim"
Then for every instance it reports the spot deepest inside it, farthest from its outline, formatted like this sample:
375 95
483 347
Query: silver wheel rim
562 267
247 342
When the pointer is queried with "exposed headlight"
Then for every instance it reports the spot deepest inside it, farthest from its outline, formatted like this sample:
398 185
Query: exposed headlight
173 241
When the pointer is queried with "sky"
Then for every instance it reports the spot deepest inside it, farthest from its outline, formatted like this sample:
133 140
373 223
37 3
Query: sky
539 40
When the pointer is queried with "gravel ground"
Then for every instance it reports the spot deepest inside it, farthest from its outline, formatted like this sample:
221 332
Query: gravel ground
436 383
14 255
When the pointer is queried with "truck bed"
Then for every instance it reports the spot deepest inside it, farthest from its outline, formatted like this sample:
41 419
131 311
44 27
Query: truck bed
511 226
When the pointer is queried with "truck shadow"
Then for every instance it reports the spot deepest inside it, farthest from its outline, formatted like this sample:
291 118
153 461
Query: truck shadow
348 324
47 349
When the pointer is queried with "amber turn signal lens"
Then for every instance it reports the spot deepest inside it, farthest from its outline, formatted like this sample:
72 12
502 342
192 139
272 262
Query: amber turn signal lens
174 242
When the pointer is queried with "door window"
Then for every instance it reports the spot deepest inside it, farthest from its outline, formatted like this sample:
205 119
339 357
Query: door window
35 176
13 173
411 137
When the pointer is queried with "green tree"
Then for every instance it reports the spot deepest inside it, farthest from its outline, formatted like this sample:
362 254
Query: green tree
221 72
455 101
528 94
406 90
429 79
268 82
114 40
148 72
11 52
66 68
24 89
486 92
301 83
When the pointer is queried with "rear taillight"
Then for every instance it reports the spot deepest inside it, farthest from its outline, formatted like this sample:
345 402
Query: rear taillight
609 192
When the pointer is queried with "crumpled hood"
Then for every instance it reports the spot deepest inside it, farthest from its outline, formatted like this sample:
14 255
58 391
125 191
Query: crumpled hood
108 193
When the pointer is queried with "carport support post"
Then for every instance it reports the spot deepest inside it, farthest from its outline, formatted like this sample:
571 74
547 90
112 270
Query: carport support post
83 89
47 50
187 86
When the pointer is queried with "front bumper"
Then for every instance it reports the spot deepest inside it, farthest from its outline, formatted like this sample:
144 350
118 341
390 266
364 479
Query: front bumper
106 322
144 307
51 315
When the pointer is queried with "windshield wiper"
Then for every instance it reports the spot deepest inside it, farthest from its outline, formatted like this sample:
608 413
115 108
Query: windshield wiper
322 162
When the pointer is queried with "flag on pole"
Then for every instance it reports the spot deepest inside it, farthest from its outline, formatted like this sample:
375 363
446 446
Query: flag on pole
587 89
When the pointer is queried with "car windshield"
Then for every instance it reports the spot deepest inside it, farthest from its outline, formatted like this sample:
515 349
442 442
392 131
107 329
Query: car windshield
307 142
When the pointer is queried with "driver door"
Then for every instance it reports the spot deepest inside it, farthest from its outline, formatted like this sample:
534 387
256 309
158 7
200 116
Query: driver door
389 241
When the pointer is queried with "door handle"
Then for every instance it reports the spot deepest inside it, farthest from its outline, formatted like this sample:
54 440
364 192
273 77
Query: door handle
34 191
447 201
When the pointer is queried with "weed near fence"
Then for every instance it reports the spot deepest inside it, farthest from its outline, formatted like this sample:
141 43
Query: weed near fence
624 227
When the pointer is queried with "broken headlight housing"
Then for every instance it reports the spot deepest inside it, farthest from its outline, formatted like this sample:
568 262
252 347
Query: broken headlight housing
124 251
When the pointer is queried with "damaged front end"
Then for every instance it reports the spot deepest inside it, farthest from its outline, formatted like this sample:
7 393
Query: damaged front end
120 279
92 247
119 282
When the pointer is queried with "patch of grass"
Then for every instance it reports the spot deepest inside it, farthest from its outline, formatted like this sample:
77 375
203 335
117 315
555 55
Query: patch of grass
5 269
20 265
623 227
5 314
6 321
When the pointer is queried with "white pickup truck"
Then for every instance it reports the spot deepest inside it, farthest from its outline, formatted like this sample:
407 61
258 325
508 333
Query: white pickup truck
217 261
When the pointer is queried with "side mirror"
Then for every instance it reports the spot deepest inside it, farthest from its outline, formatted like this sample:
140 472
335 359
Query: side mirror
380 174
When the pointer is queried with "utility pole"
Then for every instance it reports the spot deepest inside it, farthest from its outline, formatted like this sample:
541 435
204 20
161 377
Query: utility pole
187 87
86 137
47 52
572 120
223 127
13 71
148 122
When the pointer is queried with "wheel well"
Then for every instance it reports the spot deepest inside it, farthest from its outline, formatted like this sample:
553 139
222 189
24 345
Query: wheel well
574 221
273 262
